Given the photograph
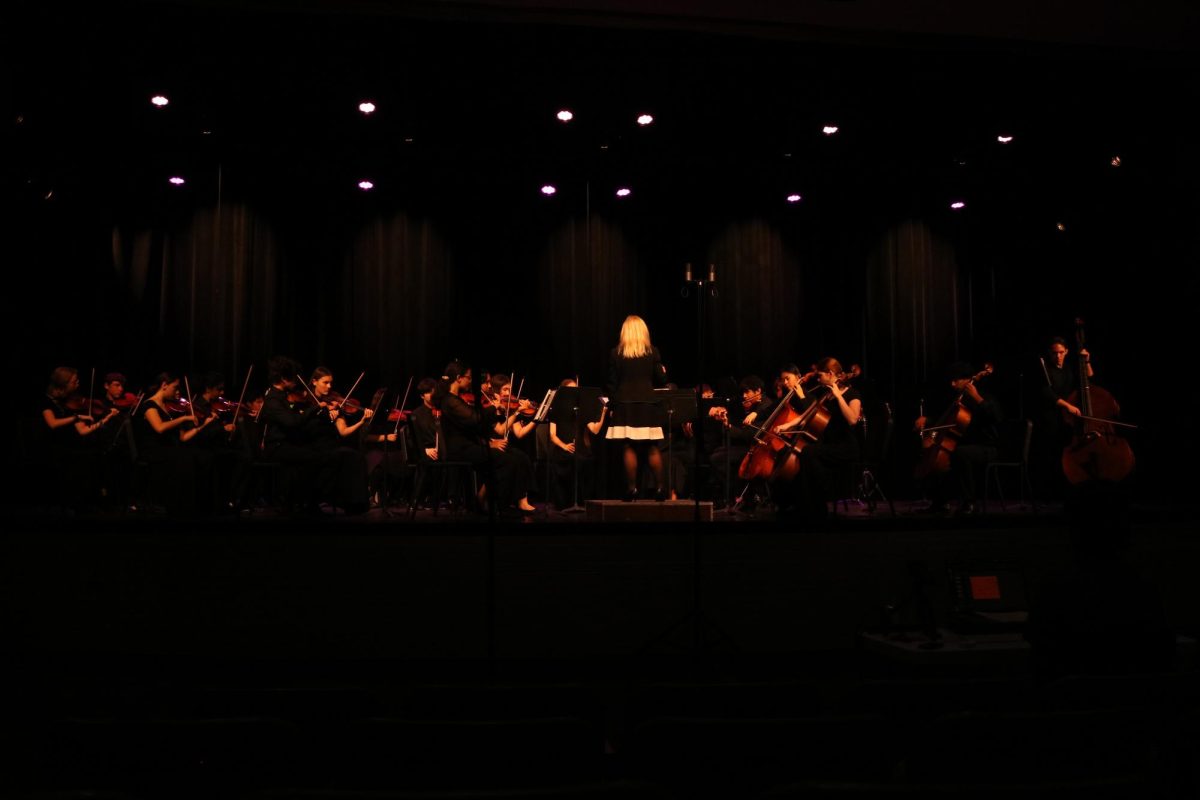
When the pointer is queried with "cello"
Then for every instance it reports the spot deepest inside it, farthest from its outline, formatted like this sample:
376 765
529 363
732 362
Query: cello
940 440
760 459
1095 452
811 427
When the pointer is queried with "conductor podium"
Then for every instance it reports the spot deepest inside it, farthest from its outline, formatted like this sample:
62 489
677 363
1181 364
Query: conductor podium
647 511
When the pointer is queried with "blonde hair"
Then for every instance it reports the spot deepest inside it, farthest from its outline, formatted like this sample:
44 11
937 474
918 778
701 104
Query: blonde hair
635 338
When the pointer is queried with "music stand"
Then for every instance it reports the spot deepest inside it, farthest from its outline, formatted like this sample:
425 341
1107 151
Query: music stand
376 401
572 400
675 401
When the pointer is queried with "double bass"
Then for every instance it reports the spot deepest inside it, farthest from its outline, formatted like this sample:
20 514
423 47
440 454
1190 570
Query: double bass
1095 452
940 440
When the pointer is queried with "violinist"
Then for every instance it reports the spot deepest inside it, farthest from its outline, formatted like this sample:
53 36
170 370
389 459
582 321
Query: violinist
342 474
207 405
115 395
838 446
742 427
462 430
161 434
976 445
514 416
62 439
65 425
424 424
285 420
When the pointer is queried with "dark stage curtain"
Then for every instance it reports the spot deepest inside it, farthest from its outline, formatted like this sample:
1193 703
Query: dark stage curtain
397 309
590 277
207 293
755 320
915 310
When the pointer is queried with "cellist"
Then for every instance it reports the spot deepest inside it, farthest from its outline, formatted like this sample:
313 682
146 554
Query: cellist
756 408
838 447
976 445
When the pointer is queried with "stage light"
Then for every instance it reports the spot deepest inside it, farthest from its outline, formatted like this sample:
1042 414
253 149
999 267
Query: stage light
548 190
1116 161
159 101
644 119
366 107
829 130
565 116
366 186
794 198
624 192
175 180
958 205
1002 139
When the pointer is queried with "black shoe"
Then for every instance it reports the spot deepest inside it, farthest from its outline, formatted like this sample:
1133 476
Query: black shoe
630 496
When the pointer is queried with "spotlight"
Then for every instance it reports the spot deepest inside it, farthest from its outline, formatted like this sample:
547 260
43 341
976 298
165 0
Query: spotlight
159 101
175 180
565 116
366 107
548 190
829 130
794 198
1002 139
1116 161
644 119
958 205
366 186
624 192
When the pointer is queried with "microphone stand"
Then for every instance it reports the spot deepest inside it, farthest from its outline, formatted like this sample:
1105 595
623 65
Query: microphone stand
695 618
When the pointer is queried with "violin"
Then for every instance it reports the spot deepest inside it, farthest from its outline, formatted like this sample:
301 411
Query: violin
399 415
94 407
351 407
178 407
223 407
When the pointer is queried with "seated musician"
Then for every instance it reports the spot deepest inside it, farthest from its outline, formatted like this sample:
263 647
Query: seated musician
464 432
168 434
837 447
976 445
741 429
342 475
285 419
564 451
61 443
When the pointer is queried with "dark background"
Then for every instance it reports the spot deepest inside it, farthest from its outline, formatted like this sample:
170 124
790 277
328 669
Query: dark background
270 247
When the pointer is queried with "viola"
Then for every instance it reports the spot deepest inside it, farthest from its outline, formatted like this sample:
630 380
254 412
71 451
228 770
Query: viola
399 415
1096 452
940 440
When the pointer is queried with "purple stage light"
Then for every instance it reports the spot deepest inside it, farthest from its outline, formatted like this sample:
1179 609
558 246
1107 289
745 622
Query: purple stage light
366 186
564 116
548 190
366 107
175 180
644 119
160 101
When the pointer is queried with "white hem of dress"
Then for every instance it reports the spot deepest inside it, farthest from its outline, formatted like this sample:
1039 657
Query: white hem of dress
629 432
